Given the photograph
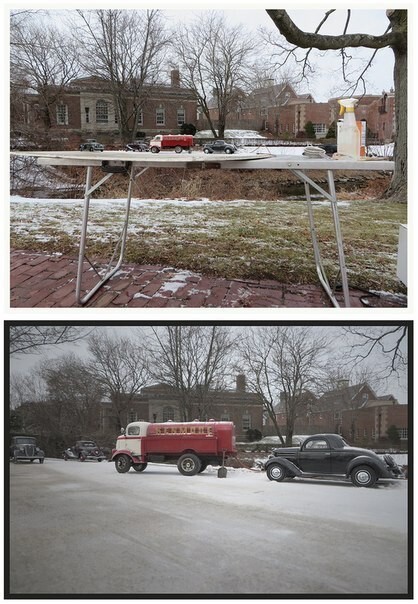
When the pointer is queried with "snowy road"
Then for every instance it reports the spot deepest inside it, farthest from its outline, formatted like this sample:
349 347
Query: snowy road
82 528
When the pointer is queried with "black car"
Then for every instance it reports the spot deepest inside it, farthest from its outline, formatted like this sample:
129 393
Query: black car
91 145
24 448
137 146
329 148
328 455
219 147
84 449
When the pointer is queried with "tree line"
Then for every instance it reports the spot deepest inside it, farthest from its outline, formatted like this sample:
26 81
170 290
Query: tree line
60 396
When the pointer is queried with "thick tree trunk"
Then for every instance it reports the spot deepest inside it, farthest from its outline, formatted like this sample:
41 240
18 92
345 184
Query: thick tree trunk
398 187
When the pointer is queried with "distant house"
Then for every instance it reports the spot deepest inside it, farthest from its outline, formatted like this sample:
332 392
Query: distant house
354 411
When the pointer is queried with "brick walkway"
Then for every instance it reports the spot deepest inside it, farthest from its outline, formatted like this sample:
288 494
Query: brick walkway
48 281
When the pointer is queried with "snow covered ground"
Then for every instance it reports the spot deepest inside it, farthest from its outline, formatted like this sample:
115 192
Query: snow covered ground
87 529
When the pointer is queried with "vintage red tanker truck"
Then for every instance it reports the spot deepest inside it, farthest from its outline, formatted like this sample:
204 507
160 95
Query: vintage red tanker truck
178 142
193 445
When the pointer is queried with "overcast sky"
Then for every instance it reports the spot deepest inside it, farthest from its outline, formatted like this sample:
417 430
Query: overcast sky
395 385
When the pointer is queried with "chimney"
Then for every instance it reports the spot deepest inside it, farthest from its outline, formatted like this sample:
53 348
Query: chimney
175 78
241 382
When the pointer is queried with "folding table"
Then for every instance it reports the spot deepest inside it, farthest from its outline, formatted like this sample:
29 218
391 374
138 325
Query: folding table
134 164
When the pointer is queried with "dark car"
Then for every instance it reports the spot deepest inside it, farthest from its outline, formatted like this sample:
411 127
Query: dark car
91 145
137 146
24 448
328 455
329 148
219 147
84 449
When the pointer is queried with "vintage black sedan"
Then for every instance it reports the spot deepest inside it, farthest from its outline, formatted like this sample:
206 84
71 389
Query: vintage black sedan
84 449
219 147
137 146
24 448
329 455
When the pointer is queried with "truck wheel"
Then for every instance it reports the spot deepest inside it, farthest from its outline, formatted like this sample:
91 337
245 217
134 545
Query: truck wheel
276 472
178 149
189 464
203 467
139 467
123 464
363 476
155 150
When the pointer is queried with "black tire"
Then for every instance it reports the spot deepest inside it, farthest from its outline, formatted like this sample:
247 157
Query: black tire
154 150
41 461
276 471
228 151
206 151
123 464
203 467
363 476
81 457
178 149
189 464
139 467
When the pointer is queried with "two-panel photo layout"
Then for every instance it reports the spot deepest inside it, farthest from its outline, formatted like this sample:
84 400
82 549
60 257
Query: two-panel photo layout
166 165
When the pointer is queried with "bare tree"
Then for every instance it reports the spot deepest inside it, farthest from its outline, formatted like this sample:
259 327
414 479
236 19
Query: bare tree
121 368
34 338
394 37
214 62
283 364
193 360
44 60
126 49
387 342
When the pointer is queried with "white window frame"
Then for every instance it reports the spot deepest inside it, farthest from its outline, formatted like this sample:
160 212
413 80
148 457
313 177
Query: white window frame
181 116
62 115
160 116
102 112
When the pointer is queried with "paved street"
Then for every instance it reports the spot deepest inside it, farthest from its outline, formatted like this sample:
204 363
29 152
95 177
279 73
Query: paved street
82 528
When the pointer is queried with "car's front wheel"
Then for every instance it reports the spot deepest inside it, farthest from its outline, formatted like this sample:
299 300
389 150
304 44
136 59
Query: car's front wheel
206 151
228 151
123 464
276 472
363 476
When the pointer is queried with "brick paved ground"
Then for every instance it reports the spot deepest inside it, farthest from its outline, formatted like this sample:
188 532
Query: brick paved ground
48 281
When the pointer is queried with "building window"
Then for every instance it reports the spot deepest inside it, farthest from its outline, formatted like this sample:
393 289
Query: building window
181 117
337 415
364 397
225 417
140 118
132 416
320 129
403 433
168 414
246 422
102 112
160 117
87 114
62 115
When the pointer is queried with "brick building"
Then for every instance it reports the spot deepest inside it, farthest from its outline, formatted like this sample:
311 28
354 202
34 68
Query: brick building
280 111
85 109
161 403
355 412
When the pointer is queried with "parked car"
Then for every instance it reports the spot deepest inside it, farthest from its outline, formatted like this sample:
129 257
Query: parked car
329 148
329 455
91 145
137 146
84 449
24 448
219 147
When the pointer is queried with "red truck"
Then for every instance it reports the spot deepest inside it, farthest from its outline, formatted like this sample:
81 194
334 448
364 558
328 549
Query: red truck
194 445
178 142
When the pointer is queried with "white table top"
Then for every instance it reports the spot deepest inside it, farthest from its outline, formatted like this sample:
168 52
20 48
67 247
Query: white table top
234 161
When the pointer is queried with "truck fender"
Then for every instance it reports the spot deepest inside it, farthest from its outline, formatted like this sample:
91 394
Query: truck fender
133 458
289 465
363 460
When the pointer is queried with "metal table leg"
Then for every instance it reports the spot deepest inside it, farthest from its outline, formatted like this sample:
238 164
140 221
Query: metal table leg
110 269
331 196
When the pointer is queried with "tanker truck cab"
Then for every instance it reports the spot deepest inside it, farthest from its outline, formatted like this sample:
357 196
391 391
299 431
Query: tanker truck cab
192 445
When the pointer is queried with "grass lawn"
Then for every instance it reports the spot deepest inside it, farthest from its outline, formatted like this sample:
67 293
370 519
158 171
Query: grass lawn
232 239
